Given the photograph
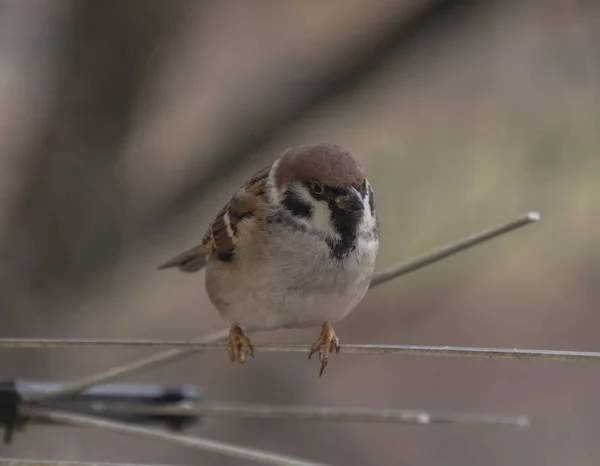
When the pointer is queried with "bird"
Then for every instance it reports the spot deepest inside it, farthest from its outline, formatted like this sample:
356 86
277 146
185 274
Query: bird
295 247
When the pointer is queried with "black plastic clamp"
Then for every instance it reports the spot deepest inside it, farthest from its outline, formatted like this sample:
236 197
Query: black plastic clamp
98 401
9 408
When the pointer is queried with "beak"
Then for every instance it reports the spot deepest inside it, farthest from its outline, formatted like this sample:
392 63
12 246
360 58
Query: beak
350 201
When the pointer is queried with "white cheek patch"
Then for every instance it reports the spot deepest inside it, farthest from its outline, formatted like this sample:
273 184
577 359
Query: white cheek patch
367 222
321 218
366 202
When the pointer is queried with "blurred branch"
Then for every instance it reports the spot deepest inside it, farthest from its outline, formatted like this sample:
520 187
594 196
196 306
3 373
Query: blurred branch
71 184
197 443
337 80
168 356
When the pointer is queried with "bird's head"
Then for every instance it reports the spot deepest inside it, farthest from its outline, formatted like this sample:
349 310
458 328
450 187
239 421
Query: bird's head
324 187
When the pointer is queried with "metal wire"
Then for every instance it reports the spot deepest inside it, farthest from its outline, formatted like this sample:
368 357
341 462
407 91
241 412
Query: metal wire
321 413
26 462
401 350
171 355
95 379
451 249
197 443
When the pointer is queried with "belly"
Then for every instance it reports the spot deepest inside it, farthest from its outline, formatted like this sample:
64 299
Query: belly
282 297
276 284
264 309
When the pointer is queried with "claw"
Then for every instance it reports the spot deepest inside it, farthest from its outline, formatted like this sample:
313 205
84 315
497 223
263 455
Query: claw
239 345
327 343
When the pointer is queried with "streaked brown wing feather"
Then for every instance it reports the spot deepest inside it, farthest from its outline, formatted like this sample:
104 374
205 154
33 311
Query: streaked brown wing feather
221 235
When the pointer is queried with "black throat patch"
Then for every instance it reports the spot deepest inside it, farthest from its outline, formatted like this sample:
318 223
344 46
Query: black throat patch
346 225
340 248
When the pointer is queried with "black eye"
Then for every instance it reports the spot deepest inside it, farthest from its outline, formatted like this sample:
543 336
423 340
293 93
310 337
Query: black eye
317 187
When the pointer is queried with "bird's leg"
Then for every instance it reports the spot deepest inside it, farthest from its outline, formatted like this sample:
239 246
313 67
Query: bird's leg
239 345
327 343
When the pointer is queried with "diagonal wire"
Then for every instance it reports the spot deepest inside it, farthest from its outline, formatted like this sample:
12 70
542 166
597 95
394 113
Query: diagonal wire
154 360
26 462
454 248
320 413
197 443
414 264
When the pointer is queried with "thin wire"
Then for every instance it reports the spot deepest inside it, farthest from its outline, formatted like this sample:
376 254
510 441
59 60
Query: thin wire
349 348
26 462
167 356
451 249
84 383
197 443
320 413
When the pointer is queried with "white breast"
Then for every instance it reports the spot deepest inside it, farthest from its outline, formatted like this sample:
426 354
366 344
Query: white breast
274 283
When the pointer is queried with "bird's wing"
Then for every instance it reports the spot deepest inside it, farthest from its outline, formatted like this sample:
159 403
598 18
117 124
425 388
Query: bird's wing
221 235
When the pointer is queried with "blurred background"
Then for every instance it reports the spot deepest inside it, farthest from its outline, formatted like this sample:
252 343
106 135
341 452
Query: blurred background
125 125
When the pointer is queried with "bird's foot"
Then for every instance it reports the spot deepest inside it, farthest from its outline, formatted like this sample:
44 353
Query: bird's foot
327 343
239 345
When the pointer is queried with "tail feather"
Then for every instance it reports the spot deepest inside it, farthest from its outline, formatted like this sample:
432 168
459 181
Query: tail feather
192 260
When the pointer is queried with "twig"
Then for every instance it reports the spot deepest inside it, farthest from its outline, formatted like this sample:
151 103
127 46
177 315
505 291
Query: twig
321 413
183 440
160 358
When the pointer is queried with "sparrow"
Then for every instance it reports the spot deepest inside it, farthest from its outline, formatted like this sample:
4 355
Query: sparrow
295 247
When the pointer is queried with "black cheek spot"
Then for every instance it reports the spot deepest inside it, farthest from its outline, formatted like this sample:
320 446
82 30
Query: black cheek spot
225 256
296 205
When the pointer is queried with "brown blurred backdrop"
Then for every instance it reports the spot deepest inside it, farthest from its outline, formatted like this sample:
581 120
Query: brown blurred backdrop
124 125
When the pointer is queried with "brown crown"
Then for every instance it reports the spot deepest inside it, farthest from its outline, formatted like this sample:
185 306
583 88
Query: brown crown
329 164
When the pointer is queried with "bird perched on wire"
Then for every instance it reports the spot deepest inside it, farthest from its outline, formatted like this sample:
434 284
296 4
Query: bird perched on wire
294 247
